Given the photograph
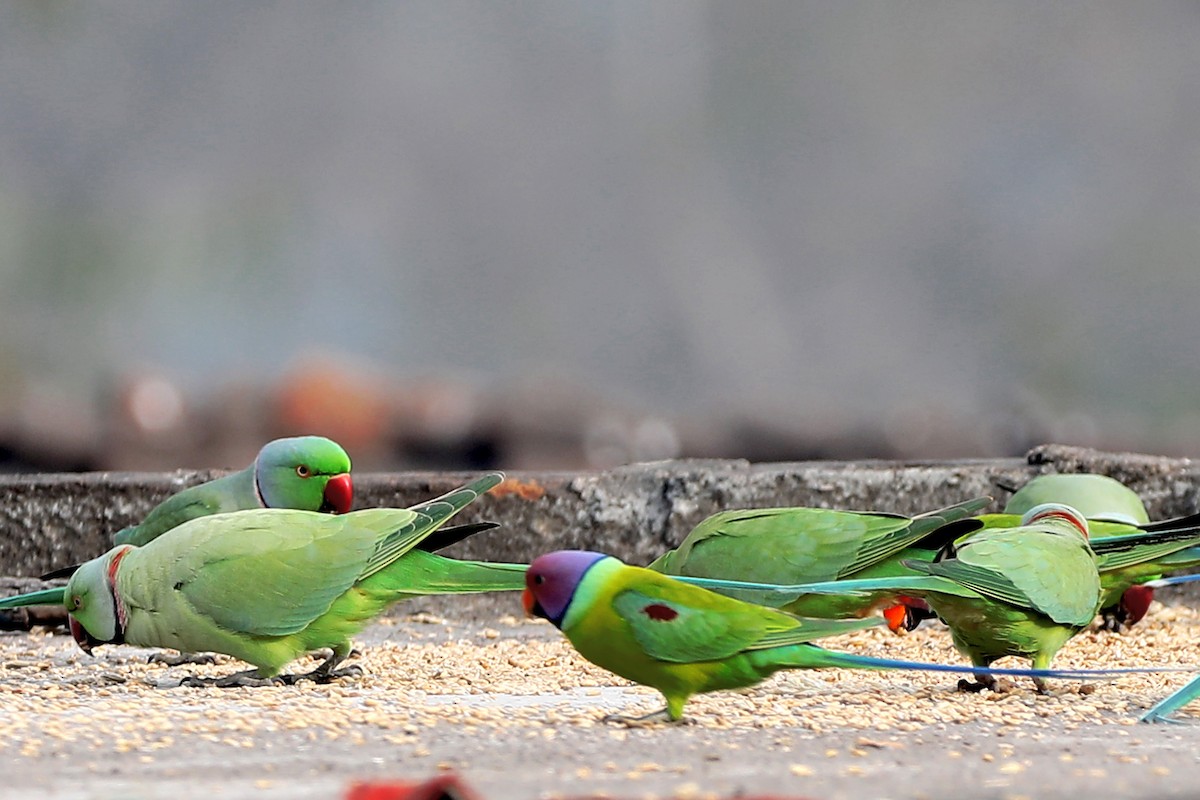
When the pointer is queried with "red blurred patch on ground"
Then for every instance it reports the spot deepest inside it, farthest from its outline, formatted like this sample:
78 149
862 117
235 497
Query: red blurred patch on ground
451 787
443 787
531 490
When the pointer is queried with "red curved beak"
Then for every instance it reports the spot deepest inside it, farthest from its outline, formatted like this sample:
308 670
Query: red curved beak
528 601
896 616
81 636
339 494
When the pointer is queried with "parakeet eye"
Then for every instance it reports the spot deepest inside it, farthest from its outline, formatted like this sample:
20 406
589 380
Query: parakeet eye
539 579
303 471
76 602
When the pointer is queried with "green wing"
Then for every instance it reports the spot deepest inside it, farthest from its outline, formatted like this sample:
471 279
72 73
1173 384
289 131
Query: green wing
678 623
1097 529
1033 567
228 493
797 545
1118 552
287 566
426 518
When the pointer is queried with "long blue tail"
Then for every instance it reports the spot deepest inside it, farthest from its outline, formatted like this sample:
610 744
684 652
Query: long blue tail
1163 710
1172 581
848 660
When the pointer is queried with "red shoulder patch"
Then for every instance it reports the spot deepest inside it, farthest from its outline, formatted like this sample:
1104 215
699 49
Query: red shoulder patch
660 613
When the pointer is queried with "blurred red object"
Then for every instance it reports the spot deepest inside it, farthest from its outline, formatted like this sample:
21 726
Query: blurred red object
443 787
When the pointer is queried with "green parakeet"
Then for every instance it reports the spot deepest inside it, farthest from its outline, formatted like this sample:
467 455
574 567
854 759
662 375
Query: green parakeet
1113 510
805 545
268 585
1097 497
309 473
683 640
1020 591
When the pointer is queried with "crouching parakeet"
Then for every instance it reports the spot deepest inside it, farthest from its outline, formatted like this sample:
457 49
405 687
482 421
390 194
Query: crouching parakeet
684 640
1114 510
308 473
1097 497
1020 591
268 585
805 545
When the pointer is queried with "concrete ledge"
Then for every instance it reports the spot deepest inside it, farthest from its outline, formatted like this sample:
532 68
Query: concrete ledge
48 520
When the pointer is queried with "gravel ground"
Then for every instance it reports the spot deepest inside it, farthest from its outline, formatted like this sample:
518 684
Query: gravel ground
508 705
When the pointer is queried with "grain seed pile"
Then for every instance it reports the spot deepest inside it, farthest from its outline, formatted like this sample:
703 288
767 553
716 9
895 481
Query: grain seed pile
748 594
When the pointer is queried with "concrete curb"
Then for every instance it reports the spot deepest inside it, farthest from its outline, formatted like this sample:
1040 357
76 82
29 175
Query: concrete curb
634 512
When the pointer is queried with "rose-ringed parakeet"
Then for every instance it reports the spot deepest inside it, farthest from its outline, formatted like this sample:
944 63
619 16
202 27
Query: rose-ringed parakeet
1113 510
682 639
1020 591
1097 497
308 473
268 585
806 545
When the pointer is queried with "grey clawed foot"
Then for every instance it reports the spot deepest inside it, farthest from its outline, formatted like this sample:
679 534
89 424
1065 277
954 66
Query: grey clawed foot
237 679
646 720
319 675
183 658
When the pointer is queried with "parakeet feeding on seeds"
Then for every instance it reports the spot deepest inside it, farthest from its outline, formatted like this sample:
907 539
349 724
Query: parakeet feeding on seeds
269 585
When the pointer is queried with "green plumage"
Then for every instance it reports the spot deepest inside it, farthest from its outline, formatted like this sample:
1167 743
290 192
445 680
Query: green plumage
1097 497
268 585
288 473
712 642
803 545
1020 591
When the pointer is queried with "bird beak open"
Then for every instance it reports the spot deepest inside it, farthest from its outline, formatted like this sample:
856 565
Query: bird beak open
84 639
339 494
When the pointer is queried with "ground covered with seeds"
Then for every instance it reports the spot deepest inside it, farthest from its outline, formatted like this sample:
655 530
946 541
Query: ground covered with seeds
508 705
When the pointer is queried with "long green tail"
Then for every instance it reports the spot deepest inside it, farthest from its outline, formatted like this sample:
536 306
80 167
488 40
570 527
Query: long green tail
43 597
1162 711
419 573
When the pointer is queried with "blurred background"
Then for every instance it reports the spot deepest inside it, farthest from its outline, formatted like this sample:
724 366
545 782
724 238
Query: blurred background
576 234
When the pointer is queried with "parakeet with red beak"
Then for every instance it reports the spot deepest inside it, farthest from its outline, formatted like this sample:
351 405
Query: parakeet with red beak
307 473
682 639
1114 510
805 545
268 585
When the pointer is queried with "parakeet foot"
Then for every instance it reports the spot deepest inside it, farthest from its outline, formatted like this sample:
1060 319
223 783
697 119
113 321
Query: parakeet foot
247 678
645 720
169 660
985 681
320 675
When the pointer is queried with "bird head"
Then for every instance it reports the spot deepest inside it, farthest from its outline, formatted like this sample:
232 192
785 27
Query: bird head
97 614
1135 602
309 473
551 581
907 613
1057 511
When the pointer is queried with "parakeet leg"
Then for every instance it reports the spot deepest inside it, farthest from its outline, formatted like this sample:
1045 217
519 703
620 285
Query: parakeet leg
662 715
983 680
183 658
1041 661
325 672
248 678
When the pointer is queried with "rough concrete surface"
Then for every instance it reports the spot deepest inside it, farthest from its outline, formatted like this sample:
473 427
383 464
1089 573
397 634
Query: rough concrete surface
519 720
